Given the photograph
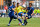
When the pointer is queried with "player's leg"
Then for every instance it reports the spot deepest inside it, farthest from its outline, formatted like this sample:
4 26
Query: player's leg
27 17
20 14
20 21
25 20
10 21
15 17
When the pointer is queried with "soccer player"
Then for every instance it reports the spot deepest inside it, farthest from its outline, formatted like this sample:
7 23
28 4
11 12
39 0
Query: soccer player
19 11
38 11
12 13
30 13
35 11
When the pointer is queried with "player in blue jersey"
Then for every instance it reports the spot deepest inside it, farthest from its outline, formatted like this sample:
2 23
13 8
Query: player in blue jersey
12 13
30 13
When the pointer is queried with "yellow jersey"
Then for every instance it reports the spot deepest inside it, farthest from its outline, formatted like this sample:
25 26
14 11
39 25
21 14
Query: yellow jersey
18 9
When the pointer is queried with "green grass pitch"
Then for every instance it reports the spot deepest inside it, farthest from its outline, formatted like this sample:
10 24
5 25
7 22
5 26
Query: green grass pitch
33 22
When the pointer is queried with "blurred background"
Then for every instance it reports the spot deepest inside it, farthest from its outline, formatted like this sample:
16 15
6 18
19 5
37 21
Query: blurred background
36 3
4 4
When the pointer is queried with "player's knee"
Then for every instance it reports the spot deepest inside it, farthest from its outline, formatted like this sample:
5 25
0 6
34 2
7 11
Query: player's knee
21 13
22 17
26 17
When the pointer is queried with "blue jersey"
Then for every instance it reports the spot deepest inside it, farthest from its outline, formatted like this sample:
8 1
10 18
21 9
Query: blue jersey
11 11
10 8
30 10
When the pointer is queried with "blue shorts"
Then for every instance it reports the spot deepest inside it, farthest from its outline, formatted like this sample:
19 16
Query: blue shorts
20 14
11 14
14 17
29 16
24 13
37 13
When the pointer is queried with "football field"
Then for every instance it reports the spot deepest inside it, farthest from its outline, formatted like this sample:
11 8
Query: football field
33 22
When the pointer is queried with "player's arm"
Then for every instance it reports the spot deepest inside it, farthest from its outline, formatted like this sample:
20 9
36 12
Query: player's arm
21 8
26 10
33 12
14 8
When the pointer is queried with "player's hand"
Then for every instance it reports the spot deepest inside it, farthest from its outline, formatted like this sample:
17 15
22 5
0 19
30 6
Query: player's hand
31 14
14 12
26 14
13 8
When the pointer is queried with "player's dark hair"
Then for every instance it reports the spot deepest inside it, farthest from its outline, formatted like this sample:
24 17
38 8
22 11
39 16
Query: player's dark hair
14 2
30 4
17 4
10 4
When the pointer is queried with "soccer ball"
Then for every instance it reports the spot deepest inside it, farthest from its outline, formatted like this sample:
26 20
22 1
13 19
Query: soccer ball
19 24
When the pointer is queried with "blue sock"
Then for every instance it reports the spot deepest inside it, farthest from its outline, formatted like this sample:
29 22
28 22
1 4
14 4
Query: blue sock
25 21
10 20
20 20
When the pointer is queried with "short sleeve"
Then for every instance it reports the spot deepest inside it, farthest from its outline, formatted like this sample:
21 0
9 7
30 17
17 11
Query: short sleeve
9 8
33 9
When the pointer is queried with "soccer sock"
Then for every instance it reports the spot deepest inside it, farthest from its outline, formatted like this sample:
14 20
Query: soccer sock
25 21
20 20
10 20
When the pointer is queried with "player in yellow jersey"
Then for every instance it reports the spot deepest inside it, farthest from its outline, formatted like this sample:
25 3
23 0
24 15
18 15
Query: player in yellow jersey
19 11
35 11
38 11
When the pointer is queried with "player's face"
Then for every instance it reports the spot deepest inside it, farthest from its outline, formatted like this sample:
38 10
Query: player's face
17 4
30 5
10 5
14 3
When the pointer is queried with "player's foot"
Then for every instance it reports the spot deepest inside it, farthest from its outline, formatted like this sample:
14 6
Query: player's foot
14 20
8 24
23 24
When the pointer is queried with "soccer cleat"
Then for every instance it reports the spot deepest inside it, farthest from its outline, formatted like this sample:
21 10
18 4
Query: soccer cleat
23 24
8 24
14 20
